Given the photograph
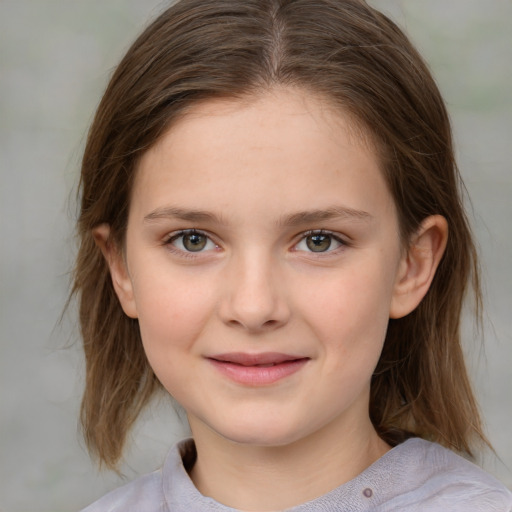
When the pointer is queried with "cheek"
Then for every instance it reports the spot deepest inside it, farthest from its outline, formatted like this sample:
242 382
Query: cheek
172 311
350 312
172 317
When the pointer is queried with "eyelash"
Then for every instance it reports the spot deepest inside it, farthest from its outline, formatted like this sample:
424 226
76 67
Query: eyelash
322 232
172 237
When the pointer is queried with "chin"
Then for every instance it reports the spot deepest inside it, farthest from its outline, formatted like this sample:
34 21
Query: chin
262 434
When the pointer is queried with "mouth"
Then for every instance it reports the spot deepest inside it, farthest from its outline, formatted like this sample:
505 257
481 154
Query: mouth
257 369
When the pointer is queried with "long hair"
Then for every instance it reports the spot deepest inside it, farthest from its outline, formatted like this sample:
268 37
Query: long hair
358 60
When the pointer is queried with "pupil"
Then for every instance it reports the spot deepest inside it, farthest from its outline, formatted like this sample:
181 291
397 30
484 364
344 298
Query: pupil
318 243
194 242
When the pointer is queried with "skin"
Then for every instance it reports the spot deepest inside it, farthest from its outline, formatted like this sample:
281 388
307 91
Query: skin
254 167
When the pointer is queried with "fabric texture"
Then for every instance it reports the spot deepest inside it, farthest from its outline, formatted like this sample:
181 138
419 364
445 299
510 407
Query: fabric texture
414 476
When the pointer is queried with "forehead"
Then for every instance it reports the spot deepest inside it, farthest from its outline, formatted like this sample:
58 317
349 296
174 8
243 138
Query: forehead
293 101
285 142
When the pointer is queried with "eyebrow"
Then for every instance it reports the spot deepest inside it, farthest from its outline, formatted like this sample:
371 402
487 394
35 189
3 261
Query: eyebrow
332 213
182 214
294 219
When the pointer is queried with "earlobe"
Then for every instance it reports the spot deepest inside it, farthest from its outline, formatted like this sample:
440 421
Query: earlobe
118 271
418 265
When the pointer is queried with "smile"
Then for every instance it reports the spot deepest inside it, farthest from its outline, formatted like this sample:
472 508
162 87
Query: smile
257 369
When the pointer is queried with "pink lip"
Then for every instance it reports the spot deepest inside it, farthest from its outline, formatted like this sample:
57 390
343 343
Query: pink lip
257 369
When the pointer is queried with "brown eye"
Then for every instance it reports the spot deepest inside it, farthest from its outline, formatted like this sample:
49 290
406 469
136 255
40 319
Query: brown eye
194 242
318 243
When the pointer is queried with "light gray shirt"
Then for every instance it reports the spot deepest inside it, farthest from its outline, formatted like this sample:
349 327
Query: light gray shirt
414 476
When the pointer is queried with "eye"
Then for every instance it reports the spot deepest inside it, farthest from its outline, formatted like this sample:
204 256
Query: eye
191 241
319 241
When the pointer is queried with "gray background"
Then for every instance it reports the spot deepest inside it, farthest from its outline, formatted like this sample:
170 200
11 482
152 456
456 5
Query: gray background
55 59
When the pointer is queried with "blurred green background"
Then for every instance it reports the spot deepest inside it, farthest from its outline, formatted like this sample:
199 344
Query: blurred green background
55 59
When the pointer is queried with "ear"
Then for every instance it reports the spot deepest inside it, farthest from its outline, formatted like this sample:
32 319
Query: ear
418 265
121 280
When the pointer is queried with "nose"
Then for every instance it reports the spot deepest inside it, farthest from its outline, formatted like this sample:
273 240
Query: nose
254 296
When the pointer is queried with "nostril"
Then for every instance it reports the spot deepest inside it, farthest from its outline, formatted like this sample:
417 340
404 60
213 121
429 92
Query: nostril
235 323
253 310
265 326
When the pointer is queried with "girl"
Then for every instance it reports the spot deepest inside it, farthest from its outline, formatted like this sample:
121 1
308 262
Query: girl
272 231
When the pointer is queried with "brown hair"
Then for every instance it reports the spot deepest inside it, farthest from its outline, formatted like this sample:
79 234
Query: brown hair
358 59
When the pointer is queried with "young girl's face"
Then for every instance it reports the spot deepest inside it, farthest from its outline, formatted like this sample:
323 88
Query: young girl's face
262 261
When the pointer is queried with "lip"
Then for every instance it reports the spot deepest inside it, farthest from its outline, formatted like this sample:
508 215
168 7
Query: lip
257 369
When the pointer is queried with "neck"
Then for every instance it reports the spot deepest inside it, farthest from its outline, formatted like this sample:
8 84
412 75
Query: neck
263 478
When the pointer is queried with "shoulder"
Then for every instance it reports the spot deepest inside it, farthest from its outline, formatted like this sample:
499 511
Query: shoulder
433 478
142 495
165 489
